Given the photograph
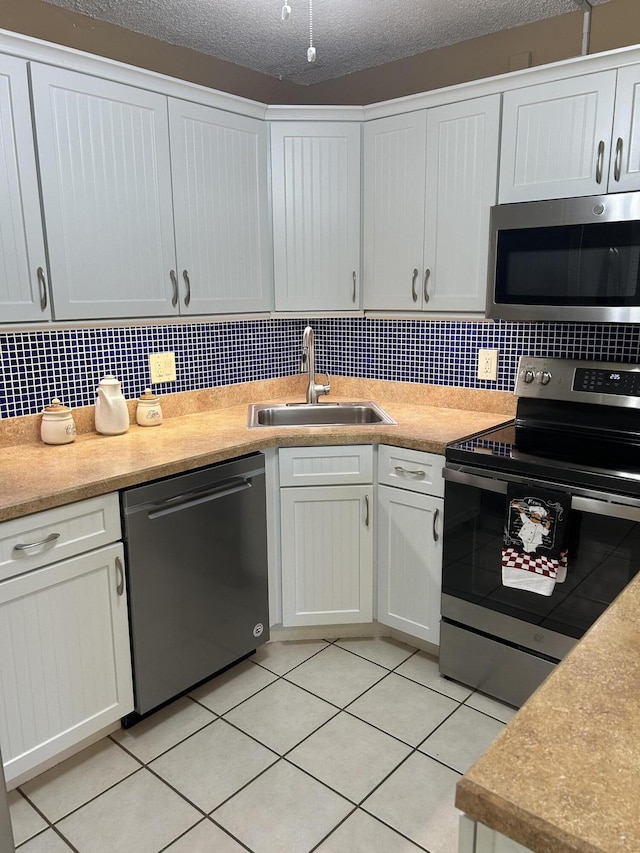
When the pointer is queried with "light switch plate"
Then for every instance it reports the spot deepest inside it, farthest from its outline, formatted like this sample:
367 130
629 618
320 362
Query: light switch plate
488 364
162 367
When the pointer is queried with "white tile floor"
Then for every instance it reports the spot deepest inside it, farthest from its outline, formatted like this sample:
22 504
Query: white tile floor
353 746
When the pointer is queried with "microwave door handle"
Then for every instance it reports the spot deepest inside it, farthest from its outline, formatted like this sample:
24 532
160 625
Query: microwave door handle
613 285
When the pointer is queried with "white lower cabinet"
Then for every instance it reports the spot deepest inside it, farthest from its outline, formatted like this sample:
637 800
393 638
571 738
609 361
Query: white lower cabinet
326 535
409 525
65 665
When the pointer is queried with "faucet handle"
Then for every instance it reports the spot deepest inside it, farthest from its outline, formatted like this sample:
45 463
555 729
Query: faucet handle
326 388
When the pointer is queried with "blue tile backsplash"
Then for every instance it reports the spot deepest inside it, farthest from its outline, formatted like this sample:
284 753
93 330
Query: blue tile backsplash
68 363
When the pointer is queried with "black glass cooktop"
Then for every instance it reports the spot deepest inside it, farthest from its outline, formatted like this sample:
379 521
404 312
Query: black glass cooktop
563 456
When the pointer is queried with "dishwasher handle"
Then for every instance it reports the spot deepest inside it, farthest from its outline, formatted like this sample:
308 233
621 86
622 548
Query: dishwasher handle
189 499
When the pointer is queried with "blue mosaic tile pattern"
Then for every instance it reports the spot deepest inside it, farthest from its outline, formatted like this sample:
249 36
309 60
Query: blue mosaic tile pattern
68 363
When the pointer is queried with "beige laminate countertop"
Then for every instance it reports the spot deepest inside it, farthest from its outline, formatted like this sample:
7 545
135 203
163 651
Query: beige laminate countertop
34 476
565 773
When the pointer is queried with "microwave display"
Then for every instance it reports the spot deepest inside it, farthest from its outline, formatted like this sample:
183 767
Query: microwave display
595 264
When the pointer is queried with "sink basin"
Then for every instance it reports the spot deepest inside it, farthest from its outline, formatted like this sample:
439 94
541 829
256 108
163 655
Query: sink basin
318 414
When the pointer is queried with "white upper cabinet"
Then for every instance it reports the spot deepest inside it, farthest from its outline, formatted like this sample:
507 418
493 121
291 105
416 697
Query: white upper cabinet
430 181
394 205
462 184
624 169
23 291
103 149
316 215
556 138
219 168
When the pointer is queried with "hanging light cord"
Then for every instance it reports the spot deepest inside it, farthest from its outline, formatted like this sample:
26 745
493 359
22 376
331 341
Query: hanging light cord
311 53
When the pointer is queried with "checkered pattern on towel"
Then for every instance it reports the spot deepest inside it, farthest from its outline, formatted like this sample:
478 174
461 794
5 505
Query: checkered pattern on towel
541 565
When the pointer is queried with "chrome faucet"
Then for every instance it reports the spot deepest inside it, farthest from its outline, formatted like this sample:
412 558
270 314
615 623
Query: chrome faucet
308 365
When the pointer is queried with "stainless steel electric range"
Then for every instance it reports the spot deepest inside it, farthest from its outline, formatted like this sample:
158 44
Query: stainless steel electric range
576 434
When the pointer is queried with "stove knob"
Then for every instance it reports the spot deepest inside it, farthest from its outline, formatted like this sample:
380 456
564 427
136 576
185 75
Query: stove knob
544 377
529 375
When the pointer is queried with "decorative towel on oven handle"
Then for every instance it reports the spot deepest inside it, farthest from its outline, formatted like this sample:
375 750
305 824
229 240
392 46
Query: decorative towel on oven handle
534 554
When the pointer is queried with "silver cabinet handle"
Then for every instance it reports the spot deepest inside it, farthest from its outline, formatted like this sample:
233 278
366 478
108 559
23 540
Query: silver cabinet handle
43 288
120 573
416 473
50 538
353 298
617 168
435 521
174 283
413 285
600 162
427 273
366 510
187 298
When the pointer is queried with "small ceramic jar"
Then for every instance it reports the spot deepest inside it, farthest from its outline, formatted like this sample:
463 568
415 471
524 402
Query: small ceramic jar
57 425
148 411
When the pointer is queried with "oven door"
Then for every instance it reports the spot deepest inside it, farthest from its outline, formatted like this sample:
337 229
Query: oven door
603 540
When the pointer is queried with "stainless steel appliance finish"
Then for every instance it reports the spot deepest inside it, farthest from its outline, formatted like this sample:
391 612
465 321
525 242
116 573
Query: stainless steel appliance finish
196 547
6 832
573 259
576 431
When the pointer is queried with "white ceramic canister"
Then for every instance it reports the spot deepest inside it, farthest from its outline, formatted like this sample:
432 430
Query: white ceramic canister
57 425
148 412
112 414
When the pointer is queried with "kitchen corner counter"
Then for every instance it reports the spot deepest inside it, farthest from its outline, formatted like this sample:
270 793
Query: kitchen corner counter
564 776
35 476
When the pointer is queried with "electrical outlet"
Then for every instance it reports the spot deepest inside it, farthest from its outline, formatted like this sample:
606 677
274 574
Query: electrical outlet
488 364
162 367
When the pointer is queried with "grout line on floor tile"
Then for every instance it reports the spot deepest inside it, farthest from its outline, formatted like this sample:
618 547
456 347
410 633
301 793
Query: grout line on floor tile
333 829
53 824
280 675
168 749
209 820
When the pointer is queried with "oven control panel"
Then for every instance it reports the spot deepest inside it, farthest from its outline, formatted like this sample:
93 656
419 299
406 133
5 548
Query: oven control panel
606 383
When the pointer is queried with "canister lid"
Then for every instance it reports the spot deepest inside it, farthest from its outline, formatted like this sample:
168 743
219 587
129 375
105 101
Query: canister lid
56 408
148 396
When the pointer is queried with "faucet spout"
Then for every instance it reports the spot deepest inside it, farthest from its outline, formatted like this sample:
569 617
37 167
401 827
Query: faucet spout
308 365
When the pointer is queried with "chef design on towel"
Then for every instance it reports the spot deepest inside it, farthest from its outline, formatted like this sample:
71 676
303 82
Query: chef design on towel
534 556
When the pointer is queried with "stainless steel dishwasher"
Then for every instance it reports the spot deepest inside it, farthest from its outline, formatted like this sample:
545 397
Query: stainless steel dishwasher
196 547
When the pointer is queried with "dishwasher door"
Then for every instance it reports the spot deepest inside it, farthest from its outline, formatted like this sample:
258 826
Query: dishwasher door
196 550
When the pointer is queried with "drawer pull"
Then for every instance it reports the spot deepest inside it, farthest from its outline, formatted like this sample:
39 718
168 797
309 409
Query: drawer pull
120 571
414 294
50 538
435 521
366 506
417 473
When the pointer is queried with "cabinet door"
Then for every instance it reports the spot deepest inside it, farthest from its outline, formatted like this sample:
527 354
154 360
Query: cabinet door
409 562
65 670
316 215
624 171
23 294
219 168
394 209
327 555
106 180
556 138
462 178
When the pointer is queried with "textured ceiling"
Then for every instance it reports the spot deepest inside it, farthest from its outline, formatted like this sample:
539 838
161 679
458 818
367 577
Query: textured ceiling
349 35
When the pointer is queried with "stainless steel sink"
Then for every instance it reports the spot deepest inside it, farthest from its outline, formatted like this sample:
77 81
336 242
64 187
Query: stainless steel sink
317 414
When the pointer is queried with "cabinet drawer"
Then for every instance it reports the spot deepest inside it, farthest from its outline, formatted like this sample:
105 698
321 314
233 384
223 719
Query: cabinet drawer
326 466
56 534
411 469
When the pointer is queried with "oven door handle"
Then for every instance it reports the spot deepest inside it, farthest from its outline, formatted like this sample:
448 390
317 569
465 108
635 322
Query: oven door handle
597 503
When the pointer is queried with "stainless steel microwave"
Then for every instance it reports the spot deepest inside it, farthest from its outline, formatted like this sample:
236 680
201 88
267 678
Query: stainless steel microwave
568 259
